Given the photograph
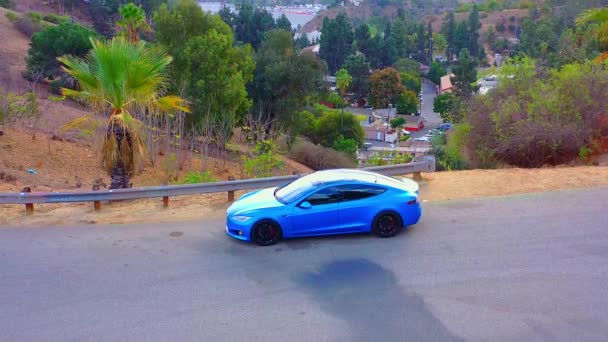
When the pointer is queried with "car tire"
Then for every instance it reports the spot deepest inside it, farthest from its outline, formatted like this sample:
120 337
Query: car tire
266 233
387 224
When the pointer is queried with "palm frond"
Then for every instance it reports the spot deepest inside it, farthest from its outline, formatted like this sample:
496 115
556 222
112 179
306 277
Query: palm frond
591 15
173 103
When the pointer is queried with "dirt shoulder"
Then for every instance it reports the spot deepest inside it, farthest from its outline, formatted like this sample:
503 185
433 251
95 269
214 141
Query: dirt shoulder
440 186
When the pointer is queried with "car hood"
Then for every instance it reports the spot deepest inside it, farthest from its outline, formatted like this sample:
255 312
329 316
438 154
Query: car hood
255 200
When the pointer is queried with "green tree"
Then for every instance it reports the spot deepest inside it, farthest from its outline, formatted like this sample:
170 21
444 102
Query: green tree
284 80
343 81
336 41
449 31
56 41
332 125
474 26
465 73
436 71
407 102
120 78
133 20
439 42
461 37
283 23
599 15
302 41
408 66
101 13
448 107
210 72
385 87
358 66
411 82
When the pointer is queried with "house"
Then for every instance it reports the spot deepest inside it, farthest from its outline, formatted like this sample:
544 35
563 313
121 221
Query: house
314 49
413 123
380 131
445 86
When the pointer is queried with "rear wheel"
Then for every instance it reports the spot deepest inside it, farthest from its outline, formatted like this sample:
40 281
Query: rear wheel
387 224
266 233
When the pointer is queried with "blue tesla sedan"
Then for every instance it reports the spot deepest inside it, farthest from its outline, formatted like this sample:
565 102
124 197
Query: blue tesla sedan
325 203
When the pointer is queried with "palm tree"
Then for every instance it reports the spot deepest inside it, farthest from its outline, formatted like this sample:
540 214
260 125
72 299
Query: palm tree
133 19
119 77
599 15
343 80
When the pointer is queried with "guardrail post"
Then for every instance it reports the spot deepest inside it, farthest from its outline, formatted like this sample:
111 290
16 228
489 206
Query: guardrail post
96 204
165 199
29 207
417 176
231 193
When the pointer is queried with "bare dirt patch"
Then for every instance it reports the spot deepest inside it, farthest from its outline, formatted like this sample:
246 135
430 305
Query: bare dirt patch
439 186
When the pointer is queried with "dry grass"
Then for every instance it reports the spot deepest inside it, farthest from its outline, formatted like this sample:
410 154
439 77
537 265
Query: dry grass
434 187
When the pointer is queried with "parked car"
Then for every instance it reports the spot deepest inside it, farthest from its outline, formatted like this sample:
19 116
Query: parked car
325 203
445 126
423 139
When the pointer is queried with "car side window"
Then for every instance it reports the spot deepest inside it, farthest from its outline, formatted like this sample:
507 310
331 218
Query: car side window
355 192
324 196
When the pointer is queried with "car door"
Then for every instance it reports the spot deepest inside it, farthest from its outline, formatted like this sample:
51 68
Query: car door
359 204
320 215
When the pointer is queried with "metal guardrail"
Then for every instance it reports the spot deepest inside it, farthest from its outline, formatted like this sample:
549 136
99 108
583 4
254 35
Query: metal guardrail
29 198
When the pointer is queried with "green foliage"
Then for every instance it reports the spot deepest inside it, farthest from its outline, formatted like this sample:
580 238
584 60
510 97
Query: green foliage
358 67
11 107
133 19
334 124
407 66
584 153
465 73
448 153
397 122
11 16
210 71
389 158
284 81
439 42
436 71
196 177
263 160
335 99
539 116
348 146
55 41
411 82
500 27
407 102
448 107
343 80
250 24
55 19
336 40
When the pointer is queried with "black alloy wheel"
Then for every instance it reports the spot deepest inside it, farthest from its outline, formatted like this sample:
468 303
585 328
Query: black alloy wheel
266 233
387 224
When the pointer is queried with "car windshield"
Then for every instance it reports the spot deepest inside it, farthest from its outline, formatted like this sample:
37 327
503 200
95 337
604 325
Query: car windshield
292 191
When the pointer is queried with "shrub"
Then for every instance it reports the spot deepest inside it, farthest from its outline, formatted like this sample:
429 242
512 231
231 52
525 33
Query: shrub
195 177
348 146
333 124
263 160
12 17
319 158
28 26
511 28
584 153
407 103
512 18
397 122
56 19
54 41
500 27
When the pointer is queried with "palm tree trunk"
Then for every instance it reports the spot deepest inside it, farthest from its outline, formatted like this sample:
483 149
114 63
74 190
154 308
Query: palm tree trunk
120 177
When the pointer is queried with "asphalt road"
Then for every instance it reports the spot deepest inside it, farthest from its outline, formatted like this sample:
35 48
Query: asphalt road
519 268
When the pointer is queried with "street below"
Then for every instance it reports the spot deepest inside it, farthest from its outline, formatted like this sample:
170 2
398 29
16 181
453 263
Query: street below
517 268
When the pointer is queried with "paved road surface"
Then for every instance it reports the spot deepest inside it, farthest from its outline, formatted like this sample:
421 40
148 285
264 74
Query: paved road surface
428 97
521 268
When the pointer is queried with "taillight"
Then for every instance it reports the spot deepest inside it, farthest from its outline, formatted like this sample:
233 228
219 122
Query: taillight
412 202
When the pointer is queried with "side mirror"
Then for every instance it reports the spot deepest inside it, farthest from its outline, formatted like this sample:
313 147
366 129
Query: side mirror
305 205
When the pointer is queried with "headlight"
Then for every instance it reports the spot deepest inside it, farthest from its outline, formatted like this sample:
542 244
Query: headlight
241 218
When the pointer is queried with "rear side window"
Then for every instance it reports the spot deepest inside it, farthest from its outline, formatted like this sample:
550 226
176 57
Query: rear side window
355 192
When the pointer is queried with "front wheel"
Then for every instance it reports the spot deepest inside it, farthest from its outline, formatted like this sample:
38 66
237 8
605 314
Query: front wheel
387 224
266 233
